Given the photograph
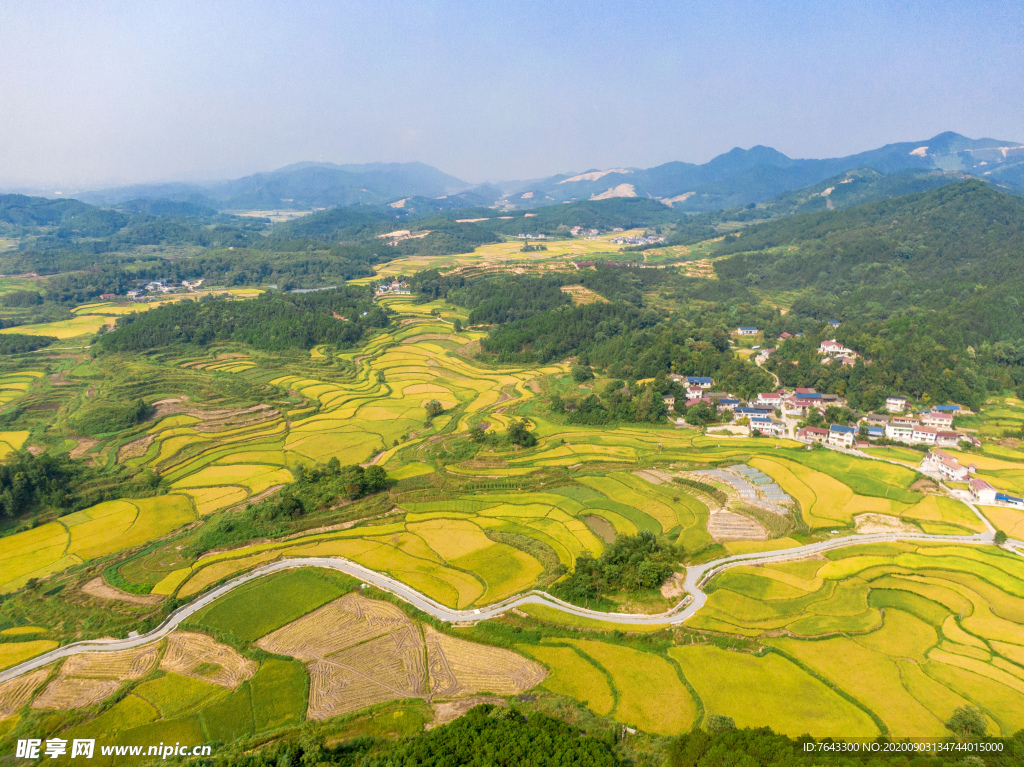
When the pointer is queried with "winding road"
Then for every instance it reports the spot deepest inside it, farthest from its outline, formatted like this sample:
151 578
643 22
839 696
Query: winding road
696 577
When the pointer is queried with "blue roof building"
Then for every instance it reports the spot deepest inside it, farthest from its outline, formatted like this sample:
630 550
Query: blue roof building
946 408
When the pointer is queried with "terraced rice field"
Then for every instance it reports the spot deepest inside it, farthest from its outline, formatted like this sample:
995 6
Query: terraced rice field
908 632
443 549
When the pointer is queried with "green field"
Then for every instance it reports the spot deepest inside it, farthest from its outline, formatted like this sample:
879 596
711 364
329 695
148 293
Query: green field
258 608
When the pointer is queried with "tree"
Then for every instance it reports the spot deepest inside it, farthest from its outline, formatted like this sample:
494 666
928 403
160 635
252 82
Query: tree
699 414
581 373
433 408
1000 537
967 723
457 325
375 479
519 434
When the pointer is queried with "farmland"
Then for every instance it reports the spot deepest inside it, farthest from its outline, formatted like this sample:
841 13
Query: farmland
472 522
350 653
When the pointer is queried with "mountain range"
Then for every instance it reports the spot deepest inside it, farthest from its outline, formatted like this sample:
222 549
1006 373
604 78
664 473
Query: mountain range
737 178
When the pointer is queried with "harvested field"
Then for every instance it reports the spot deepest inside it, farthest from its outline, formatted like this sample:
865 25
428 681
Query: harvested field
345 622
882 523
99 588
136 448
654 476
81 450
67 693
730 526
202 657
459 667
125 664
389 667
450 710
16 693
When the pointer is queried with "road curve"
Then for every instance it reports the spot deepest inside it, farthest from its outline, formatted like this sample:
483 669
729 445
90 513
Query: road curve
695 597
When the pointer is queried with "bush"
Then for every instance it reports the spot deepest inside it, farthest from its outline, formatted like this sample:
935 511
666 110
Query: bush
433 408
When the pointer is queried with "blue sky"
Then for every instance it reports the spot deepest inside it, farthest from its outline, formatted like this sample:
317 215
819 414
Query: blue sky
102 93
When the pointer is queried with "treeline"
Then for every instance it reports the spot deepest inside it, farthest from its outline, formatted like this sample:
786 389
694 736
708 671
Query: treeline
30 484
497 735
273 321
16 343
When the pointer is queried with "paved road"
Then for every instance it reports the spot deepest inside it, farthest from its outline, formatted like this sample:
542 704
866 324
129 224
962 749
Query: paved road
695 597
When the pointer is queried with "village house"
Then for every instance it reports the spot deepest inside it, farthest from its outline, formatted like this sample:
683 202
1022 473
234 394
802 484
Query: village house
876 432
1010 500
905 420
783 336
773 398
752 412
763 355
895 404
746 331
107 296
728 403
898 432
812 434
134 294
701 381
947 439
923 435
945 465
947 408
834 349
834 323
841 436
670 401
938 420
982 491
767 426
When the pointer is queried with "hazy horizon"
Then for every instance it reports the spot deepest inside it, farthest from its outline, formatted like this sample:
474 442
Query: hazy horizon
96 95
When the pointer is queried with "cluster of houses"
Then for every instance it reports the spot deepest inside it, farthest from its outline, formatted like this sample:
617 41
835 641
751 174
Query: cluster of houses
158 287
531 236
933 428
644 239
579 231
393 288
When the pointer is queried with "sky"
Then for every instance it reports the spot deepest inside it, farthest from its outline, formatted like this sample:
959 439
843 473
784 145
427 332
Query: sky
98 94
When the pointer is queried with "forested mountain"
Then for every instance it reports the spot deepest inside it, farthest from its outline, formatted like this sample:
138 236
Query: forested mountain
927 286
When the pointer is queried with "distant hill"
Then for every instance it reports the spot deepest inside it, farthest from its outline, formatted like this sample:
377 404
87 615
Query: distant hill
745 176
300 186
736 178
